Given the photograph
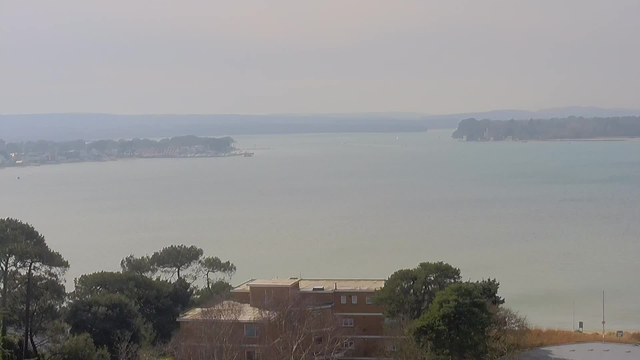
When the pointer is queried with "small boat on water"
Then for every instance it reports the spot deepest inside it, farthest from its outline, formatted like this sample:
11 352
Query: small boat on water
248 154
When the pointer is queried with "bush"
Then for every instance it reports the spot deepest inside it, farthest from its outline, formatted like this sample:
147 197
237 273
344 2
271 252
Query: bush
81 347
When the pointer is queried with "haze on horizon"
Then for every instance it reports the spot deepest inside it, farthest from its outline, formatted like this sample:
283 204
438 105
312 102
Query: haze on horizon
436 57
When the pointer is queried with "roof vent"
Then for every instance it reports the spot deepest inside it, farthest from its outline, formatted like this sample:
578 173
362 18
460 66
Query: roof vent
318 288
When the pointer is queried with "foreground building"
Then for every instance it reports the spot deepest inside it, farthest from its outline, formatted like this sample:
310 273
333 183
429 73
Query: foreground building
289 319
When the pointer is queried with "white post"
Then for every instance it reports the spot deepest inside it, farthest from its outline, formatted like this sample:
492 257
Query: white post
603 316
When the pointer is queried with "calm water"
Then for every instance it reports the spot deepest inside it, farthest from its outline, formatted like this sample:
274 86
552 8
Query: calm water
554 222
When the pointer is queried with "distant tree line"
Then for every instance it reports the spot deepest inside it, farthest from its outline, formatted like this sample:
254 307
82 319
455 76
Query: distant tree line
224 144
566 128
130 314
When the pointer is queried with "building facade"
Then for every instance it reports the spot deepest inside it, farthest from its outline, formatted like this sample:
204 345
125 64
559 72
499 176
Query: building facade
338 317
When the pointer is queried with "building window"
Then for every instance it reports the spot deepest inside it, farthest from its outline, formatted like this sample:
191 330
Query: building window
250 355
343 299
354 299
348 344
250 331
347 322
369 300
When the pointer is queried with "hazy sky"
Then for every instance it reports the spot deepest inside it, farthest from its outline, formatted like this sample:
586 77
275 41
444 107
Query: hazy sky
187 56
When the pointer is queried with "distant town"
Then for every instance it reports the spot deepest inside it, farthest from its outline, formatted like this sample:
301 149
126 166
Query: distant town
34 153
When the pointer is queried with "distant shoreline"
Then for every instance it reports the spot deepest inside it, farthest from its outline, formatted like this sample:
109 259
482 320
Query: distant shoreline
37 153
633 138
234 154
614 139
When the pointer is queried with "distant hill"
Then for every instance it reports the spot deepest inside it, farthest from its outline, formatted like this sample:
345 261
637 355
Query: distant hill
91 126
61 127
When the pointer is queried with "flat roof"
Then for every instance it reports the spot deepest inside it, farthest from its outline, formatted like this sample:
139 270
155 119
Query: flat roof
225 311
342 284
273 282
309 284
583 351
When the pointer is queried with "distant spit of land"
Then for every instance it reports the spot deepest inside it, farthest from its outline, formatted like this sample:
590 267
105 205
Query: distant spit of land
43 152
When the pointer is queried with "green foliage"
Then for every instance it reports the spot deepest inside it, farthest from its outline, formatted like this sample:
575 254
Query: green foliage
138 265
11 233
176 259
103 316
218 291
48 296
212 265
408 292
81 347
489 289
457 324
159 302
26 259
11 348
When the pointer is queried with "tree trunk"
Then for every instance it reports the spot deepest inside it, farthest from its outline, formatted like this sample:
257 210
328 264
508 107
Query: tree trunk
5 279
27 305
33 344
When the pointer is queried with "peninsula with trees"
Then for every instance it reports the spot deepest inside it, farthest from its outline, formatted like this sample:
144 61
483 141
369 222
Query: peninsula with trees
51 152
570 128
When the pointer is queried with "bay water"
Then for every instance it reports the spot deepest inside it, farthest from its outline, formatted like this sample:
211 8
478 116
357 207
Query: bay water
555 222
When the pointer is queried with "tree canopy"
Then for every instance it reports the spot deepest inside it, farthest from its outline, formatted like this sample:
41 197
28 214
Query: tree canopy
103 317
157 301
408 293
437 316
138 265
26 263
212 265
176 259
457 323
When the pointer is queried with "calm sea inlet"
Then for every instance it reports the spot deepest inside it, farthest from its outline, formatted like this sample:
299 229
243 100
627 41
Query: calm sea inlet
554 222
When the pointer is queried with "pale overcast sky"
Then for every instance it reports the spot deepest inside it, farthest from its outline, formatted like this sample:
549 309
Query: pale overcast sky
188 56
